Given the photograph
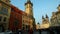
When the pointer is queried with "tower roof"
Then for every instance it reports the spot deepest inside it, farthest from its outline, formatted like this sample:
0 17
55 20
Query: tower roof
59 4
58 7
28 2
38 23
46 16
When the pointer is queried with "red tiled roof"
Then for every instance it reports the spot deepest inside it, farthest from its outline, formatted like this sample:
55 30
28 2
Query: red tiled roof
18 10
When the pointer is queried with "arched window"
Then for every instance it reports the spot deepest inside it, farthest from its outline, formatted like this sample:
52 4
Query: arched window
4 19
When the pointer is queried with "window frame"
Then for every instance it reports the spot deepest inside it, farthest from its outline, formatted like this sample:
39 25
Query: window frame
16 22
4 10
1 18
5 19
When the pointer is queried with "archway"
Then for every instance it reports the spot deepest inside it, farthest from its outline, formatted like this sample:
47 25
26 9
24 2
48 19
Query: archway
1 28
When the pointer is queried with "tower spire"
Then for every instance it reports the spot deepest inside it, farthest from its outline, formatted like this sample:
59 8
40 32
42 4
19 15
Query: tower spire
58 7
46 16
28 2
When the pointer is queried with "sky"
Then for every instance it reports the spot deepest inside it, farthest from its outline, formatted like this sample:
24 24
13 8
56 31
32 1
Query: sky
40 7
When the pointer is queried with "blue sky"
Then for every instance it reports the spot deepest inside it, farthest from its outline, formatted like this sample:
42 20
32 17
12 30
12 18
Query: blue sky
40 7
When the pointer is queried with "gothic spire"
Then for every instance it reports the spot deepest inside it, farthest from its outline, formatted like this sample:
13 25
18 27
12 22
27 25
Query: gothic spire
46 16
38 23
59 4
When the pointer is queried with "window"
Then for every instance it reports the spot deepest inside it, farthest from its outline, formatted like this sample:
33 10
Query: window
0 12
23 21
5 11
0 18
26 27
23 28
12 10
16 22
4 19
23 25
0 8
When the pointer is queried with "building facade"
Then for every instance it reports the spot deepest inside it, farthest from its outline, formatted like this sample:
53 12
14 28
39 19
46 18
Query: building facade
20 19
28 19
45 22
15 22
5 10
55 19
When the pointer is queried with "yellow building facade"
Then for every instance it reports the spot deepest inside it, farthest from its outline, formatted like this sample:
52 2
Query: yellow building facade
45 22
28 18
5 10
55 18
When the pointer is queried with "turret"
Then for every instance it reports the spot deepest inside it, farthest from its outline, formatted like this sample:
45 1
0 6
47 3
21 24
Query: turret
46 16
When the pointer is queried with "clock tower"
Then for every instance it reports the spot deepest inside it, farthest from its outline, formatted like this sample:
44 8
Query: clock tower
29 20
29 7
